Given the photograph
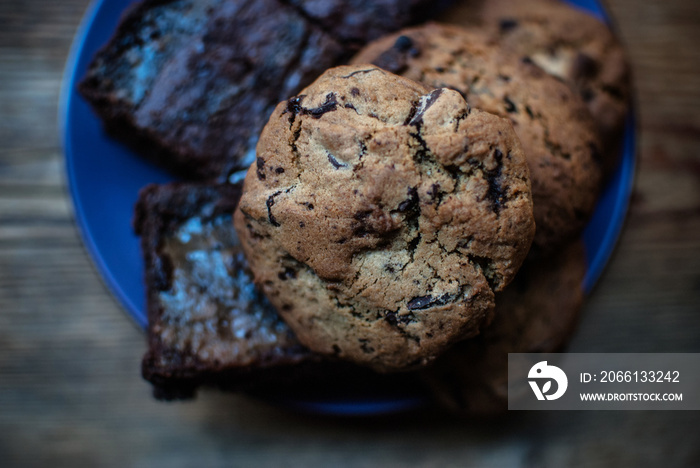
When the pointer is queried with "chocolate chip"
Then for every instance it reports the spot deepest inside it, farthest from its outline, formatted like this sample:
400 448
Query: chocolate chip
424 302
435 193
350 106
293 108
355 92
613 91
413 245
529 112
595 153
584 66
510 105
329 105
403 43
336 164
360 215
395 59
394 319
507 24
364 345
260 163
411 203
288 273
279 170
496 193
417 119
421 302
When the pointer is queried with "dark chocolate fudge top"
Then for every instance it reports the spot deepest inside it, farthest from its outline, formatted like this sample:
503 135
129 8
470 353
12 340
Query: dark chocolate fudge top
189 84
205 314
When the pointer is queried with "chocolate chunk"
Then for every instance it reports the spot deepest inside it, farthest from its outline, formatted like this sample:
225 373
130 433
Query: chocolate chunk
507 24
424 302
411 203
529 112
364 345
260 163
417 119
510 105
395 59
435 193
293 108
329 105
395 319
595 153
403 43
336 164
496 193
584 66
288 273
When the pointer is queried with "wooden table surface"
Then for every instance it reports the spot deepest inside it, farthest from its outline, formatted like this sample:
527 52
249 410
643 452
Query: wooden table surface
70 390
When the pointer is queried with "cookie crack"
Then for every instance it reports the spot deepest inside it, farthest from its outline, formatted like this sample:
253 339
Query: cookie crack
485 265
270 202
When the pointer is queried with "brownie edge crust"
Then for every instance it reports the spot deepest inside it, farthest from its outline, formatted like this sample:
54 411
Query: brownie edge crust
207 324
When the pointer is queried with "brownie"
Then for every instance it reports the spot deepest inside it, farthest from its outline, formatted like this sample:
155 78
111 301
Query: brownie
189 85
207 323
359 21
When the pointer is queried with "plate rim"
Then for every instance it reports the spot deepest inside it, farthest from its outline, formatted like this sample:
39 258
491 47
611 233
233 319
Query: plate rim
625 171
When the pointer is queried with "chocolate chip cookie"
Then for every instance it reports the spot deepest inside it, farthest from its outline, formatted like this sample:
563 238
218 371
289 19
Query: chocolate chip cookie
569 44
382 214
556 130
536 313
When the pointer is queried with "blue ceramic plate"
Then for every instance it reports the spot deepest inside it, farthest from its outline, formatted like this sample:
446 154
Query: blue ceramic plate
104 179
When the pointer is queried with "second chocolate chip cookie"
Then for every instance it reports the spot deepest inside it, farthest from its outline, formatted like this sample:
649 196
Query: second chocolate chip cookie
556 130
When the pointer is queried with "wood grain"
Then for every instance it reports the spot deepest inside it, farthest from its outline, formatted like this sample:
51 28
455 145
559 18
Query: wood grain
70 392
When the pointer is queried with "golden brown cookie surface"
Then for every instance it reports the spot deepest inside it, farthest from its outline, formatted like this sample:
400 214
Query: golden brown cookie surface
554 126
574 46
536 313
382 215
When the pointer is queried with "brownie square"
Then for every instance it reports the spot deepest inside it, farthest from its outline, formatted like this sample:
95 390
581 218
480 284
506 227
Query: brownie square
190 84
207 323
